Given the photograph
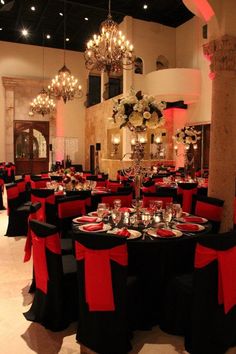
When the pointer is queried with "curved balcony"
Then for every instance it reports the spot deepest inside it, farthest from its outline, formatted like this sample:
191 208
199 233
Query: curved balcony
174 84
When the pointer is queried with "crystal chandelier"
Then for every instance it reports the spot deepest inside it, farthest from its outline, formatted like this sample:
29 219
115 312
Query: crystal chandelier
109 51
42 104
65 85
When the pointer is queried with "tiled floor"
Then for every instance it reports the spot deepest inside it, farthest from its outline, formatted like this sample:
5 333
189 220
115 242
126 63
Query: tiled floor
20 336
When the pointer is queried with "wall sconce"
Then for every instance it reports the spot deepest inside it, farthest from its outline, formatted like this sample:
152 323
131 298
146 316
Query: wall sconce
142 139
115 140
160 150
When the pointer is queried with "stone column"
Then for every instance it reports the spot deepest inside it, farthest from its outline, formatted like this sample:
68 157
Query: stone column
222 55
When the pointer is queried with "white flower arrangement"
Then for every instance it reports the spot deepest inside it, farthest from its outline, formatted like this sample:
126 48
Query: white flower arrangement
138 111
187 135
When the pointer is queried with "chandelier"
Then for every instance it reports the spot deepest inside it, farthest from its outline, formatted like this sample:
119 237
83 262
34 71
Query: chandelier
109 51
65 85
42 104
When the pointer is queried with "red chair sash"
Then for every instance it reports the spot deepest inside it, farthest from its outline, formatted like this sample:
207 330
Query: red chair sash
71 208
187 198
113 186
21 186
226 272
147 199
12 192
208 211
28 242
39 258
150 189
42 211
98 279
126 200
8 169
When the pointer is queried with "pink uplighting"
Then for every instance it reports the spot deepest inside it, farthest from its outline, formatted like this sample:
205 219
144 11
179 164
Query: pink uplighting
200 8
60 129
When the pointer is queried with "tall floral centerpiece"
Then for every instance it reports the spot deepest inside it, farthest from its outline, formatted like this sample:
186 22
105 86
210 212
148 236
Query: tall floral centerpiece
188 136
138 112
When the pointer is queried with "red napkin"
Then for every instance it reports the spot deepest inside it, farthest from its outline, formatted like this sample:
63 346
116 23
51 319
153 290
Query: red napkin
93 227
87 219
193 219
123 232
124 209
165 233
94 213
187 227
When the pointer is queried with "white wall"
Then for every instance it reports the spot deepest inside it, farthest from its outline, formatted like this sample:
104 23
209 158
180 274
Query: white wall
20 60
189 54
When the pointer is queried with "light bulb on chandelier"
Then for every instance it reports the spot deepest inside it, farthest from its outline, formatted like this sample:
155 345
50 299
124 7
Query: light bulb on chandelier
65 85
109 51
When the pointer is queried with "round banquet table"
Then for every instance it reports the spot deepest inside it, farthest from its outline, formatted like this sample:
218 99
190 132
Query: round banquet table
154 263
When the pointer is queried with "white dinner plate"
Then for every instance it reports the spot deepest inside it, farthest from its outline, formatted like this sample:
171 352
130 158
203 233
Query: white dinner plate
153 232
105 228
199 221
181 227
133 234
80 220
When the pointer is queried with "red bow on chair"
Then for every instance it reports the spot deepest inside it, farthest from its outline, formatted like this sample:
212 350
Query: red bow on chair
39 258
98 279
226 272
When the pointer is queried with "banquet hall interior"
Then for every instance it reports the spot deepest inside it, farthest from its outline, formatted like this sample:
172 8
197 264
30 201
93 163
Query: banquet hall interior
69 105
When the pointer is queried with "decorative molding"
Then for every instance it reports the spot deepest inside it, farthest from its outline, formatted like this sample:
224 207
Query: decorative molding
221 53
11 82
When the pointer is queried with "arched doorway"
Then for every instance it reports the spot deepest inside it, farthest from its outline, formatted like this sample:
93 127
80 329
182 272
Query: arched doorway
31 146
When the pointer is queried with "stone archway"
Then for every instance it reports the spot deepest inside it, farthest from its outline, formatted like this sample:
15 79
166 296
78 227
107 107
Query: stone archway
19 92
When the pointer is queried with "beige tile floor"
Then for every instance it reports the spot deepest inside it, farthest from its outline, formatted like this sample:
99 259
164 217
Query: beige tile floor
20 336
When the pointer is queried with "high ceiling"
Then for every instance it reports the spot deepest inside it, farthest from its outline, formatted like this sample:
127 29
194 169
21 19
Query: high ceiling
82 19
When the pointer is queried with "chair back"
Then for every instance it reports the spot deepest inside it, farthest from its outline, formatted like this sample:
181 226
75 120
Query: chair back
39 182
147 197
23 192
45 197
209 208
47 306
67 209
113 185
187 190
13 200
214 301
102 274
126 199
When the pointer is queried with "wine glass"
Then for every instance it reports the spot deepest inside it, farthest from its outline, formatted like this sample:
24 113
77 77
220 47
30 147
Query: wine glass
117 204
101 209
146 218
158 205
116 217
167 217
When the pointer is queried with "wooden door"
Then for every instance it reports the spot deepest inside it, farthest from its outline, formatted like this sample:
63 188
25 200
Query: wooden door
31 146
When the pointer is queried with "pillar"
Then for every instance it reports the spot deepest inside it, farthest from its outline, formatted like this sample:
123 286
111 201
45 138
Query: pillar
222 55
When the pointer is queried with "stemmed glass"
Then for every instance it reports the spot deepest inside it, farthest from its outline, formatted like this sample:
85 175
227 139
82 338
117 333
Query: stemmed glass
101 210
116 217
146 220
167 217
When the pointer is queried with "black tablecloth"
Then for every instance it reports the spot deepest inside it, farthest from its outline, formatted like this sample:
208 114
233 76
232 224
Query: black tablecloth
155 262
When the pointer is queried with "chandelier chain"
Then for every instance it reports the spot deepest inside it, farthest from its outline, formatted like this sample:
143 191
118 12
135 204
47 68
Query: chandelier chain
64 85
